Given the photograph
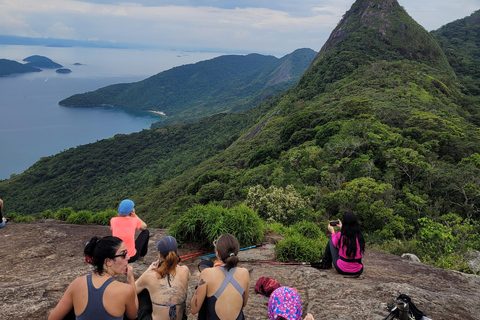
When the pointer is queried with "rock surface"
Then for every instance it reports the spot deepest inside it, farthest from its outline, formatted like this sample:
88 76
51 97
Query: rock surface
39 260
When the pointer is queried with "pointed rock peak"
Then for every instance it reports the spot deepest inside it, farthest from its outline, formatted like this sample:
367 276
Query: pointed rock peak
382 29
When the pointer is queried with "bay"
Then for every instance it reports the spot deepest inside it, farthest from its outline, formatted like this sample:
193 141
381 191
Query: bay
33 125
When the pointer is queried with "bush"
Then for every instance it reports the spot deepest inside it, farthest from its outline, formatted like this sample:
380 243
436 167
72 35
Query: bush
15 217
299 248
103 218
276 204
81 217
47 214
204 224
63 214
308 229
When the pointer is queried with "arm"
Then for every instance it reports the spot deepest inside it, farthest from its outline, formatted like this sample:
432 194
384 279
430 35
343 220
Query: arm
141 282
143 225
131 305
199 295
64 305
247 289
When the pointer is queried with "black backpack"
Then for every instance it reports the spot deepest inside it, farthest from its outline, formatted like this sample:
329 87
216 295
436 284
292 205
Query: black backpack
404 308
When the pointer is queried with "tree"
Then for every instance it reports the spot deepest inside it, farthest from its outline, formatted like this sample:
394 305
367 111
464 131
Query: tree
407 160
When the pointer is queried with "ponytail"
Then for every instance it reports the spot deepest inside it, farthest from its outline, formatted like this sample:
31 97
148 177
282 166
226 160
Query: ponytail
99 249
227 247
169 265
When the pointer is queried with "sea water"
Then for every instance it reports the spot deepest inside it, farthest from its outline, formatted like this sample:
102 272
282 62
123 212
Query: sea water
33 125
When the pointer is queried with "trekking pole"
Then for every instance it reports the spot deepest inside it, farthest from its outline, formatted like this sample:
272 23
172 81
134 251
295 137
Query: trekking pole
308 264
191 255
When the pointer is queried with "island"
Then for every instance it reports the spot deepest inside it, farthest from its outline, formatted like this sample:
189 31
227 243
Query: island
63 70
9 67
41 62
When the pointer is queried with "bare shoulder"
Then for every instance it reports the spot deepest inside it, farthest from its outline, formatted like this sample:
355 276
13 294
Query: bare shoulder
183 269
79 282
243 271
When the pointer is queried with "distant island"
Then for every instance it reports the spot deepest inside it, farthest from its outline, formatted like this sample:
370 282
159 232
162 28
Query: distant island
34 63
41 62
9 67
63 70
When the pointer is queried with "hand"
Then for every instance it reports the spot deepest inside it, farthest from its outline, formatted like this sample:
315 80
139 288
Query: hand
339 224
330 229
308 317
129 273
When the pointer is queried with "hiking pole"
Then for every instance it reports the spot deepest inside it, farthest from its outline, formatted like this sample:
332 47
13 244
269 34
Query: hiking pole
191 255
214 254
308 264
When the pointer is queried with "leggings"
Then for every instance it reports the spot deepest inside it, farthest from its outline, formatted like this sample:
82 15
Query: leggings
141 245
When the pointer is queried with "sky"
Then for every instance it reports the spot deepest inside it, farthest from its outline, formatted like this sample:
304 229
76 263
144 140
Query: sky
275 27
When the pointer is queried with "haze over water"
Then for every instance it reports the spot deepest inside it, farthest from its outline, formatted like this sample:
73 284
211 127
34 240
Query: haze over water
33 125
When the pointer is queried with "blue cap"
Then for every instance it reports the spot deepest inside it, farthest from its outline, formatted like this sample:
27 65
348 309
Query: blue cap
125 207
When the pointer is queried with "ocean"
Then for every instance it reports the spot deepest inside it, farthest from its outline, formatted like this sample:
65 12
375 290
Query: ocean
33 125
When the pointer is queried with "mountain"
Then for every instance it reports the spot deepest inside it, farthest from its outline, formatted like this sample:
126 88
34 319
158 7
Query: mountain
8 67
460 40
41 62
379 124
229 83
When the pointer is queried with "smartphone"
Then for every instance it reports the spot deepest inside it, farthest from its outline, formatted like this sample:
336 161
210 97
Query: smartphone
333 223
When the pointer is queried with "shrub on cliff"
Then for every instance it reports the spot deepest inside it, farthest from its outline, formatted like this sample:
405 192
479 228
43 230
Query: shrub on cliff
204 224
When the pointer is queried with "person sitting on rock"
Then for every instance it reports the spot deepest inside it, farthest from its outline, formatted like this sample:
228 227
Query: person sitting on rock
224 288
162 288
124 227
2 219
346 247
98 296
285 304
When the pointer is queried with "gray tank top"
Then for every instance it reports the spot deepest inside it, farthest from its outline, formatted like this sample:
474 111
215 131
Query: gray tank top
95 309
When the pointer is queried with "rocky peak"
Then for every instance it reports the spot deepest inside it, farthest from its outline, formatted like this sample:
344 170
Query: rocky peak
382 29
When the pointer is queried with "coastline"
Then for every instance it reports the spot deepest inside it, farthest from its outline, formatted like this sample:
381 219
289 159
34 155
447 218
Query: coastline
158 112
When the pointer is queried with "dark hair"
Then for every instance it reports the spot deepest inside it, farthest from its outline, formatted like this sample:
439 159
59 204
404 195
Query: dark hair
227 247
99 249
350 232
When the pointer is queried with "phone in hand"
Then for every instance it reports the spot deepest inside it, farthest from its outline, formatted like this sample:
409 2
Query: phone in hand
334 223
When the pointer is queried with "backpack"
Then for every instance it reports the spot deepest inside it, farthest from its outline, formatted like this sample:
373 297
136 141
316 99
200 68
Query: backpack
404 309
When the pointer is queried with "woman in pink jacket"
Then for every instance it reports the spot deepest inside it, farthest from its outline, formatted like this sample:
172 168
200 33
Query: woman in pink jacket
346 247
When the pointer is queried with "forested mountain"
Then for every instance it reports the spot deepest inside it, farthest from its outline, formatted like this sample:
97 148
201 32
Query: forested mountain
8 67
230 83
378 124
460 40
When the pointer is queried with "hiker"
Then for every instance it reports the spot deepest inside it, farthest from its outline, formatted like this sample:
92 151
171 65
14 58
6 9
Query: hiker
224 288
2 219
98 296
346 247
285 304
163 285
124 227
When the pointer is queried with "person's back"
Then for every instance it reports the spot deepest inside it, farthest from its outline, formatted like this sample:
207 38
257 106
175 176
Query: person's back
98 296
223 289
229 303
114 298
167 292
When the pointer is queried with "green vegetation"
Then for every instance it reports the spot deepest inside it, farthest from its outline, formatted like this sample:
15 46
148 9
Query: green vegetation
377 125
230 83
204 224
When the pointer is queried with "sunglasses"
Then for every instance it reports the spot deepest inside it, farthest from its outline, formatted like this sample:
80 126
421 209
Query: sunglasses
122 254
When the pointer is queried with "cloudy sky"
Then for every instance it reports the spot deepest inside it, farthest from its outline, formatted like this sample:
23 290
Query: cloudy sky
265 26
